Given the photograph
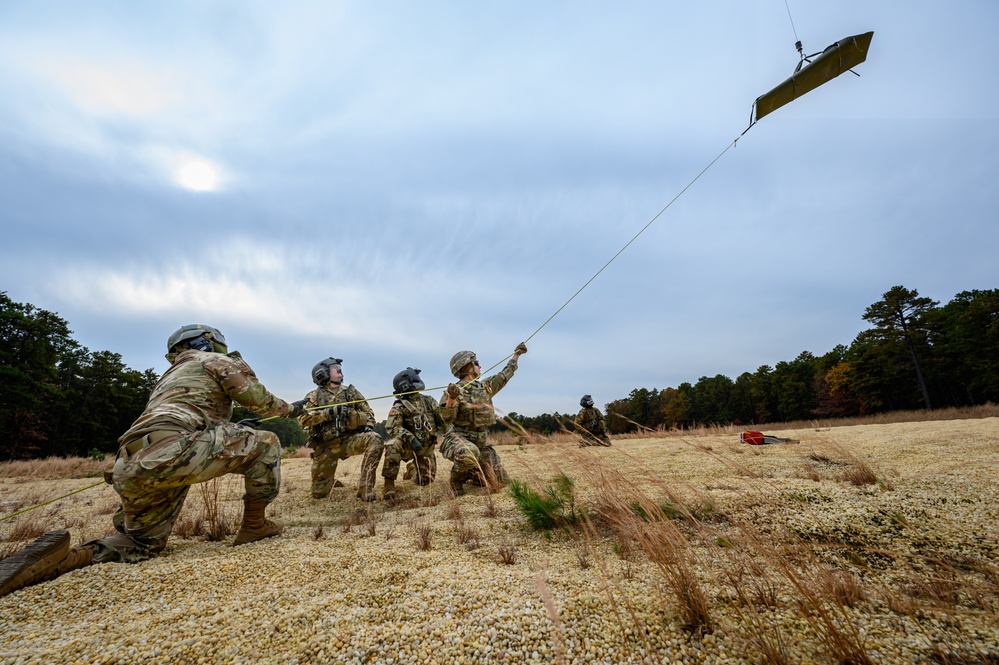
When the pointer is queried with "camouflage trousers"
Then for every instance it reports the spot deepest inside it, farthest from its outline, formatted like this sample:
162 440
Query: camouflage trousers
153 482
470 453
327 455
595 438
424 463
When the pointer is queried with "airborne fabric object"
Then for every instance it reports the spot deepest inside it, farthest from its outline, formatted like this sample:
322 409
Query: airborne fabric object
827 65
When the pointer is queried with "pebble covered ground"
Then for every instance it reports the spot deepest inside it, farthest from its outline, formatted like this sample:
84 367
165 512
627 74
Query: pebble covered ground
433 579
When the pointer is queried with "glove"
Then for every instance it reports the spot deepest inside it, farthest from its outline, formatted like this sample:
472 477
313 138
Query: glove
338 411
249 422
521 349
298 408
453 391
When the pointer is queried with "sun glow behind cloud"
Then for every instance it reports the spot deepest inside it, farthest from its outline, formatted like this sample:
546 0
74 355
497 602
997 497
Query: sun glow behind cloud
197 174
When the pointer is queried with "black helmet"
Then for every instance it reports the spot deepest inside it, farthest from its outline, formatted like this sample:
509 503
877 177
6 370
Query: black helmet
586 401
407 381
321 372
197 335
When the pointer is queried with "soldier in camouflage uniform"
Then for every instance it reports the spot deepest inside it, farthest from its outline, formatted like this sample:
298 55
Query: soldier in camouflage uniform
182 438
413 423
468 408
590 423
340 424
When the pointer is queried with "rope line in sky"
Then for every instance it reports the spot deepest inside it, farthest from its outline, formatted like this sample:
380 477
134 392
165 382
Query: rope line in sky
547 321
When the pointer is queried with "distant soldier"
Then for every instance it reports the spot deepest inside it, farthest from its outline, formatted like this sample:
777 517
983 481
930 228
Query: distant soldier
182 438
590 424
343 429
468 407
413 424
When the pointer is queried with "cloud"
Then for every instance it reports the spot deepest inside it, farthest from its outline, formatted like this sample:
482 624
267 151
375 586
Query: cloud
131 88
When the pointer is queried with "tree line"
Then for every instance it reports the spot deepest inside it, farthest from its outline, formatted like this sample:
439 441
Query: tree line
916 354
59 398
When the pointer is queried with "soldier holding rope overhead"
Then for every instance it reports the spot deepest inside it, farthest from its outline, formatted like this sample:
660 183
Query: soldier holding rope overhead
468 407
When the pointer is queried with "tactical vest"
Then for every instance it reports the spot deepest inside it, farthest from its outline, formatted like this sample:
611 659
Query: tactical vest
413 417
337 427
475 409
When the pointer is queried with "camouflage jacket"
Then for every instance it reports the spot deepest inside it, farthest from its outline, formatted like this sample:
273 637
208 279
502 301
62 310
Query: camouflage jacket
326 426
474 409
415 420
591 420
197 393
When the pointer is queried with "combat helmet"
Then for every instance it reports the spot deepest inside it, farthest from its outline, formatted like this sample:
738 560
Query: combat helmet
408 381
321 372
586 401
459 360
193 334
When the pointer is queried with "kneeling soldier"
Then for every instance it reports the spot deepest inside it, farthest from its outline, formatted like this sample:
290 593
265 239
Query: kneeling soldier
182 438
413 424
590 424
344 428
468 408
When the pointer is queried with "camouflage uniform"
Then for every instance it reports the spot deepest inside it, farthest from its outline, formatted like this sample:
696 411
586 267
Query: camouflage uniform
590 424
337 436
465 440
184 437
413 423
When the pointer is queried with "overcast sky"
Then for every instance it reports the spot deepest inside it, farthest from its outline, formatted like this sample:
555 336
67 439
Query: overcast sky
391 182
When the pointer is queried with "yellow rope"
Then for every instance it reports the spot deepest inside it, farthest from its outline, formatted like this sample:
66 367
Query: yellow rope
45 503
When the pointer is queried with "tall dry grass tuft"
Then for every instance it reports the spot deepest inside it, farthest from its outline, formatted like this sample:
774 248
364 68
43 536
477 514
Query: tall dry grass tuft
490 485
858 472
467 536
843 587
27 527
663 543
819 594
623 506
424 535
219 523
759 590
188 526
452 509
356 518
549 602
507 552
55 467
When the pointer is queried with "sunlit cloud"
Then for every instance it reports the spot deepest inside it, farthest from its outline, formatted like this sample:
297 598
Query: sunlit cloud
240 282
197 174
122 88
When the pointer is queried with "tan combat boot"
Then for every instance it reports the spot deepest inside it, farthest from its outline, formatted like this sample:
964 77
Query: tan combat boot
48 557
388 492
255 526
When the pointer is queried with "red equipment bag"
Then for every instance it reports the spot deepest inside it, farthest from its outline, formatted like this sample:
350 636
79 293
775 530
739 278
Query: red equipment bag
752 438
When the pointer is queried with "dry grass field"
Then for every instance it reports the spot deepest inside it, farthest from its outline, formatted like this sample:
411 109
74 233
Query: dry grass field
859 543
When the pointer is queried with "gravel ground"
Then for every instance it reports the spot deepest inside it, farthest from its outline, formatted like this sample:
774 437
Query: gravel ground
786 549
